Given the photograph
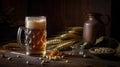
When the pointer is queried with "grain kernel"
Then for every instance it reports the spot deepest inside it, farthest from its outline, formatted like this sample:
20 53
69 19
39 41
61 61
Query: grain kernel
27 62
18 56
66 61
9 58
84 55
42 62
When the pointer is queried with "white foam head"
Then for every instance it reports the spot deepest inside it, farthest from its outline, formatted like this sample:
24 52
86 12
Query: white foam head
35 22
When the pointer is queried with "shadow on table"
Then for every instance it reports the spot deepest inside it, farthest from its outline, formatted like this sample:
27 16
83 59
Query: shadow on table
112 58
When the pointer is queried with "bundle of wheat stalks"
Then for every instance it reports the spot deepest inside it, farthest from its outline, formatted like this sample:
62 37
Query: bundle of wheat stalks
74 37
70 38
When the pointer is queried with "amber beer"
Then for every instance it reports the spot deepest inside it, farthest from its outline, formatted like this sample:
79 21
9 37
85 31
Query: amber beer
35 35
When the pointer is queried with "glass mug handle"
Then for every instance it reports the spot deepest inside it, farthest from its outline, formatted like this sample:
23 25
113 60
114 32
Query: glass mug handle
19 36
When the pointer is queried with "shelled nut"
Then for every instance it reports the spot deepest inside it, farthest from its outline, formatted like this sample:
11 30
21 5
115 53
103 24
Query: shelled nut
42 62
27 62
18 56
9 58
66 61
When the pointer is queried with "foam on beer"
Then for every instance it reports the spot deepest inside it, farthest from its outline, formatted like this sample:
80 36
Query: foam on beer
36 24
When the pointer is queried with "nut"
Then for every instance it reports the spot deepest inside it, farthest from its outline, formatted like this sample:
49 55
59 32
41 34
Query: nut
53 53
66 61
40 58
9 58
18 56
84 55
62 56
27 62
42 62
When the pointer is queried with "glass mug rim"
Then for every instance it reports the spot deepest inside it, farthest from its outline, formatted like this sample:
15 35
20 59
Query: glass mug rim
35 17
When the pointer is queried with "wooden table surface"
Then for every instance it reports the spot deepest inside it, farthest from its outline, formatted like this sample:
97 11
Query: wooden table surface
11 59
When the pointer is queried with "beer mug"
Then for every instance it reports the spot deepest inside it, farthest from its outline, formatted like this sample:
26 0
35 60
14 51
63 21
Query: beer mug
35 35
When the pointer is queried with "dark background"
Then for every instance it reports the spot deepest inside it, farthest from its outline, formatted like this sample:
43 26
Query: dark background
60 14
